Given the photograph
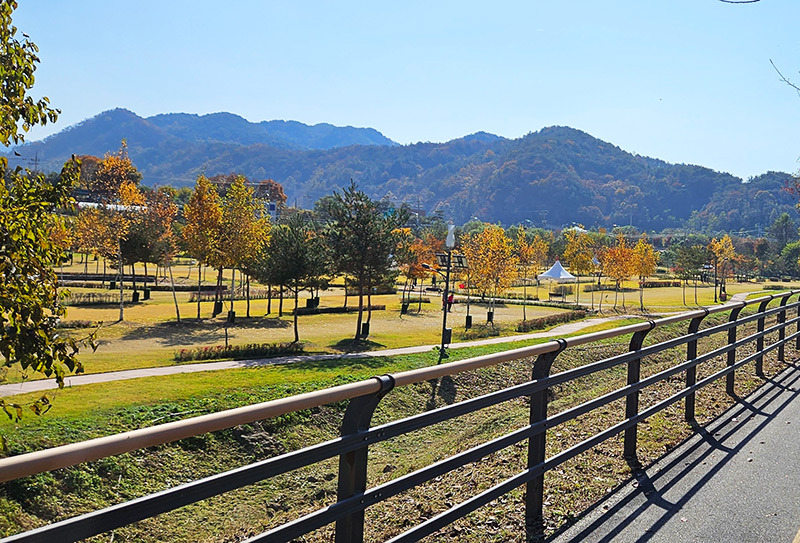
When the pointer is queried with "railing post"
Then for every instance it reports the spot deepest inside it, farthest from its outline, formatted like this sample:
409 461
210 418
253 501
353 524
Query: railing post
632 400
353 465
760 341
729 379
534 489
797 341
691 373
782 331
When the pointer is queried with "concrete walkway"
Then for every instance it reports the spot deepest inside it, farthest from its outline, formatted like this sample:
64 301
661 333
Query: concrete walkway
78 380
736 481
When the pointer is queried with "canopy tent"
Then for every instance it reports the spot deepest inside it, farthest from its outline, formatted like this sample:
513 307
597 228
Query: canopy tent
557 273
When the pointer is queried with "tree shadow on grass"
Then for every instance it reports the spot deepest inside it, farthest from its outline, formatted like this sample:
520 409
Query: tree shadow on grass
356 345
200 332
331 363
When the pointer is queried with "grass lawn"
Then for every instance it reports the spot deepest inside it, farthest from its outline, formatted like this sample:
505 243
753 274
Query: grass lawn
149 335
225 389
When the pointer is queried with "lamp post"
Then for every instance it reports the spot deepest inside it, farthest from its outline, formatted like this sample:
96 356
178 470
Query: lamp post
446 260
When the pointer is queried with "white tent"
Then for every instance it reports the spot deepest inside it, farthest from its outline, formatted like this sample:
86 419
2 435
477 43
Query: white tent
557 273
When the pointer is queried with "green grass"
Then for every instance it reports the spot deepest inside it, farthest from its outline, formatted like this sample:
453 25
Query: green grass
96 410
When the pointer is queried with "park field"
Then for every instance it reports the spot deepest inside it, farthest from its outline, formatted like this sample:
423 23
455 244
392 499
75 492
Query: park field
150 336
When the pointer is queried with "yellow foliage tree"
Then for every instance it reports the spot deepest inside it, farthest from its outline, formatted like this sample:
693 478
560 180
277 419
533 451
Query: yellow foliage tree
578 255
617 263
722 255
491 258
203 214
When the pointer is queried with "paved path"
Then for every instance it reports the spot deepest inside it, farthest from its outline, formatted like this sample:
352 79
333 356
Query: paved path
77 380
736 481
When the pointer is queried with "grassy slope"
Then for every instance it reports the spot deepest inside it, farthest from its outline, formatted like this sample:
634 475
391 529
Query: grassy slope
90 411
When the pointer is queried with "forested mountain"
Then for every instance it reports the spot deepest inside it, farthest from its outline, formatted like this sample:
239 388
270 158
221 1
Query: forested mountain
555 176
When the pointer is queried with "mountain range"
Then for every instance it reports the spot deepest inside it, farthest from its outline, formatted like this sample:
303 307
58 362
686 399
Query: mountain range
555 176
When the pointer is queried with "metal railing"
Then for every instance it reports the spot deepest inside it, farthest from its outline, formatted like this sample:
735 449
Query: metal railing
354 495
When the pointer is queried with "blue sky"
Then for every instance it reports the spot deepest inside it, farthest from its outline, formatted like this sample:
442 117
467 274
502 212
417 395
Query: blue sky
682 80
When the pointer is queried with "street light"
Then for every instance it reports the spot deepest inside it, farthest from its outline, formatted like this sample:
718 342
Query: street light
446 260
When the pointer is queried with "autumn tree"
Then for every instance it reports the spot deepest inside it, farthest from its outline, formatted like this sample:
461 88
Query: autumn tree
645 260
361 238
203 215
243 229
722 257
578 255
162 244
524 253
617 264
491 257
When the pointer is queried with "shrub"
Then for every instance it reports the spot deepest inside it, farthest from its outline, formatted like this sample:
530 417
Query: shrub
775 287
656 284
337 309
549 320
264 350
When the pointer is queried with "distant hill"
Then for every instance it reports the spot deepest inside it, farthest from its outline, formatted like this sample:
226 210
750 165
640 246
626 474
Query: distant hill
553 177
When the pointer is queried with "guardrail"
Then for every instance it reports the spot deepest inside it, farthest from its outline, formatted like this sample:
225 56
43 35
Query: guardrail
357 435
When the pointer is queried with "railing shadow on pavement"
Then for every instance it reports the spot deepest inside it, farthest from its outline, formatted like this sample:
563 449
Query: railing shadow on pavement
695 451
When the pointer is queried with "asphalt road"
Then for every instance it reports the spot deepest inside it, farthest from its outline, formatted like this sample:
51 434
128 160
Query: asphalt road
736 481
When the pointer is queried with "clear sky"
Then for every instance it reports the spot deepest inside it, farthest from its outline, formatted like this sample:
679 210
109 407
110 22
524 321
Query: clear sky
686 81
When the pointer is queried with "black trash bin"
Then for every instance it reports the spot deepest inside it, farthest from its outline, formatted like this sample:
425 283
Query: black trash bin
490 316
135 296
231 316
146 294
468 323
364 329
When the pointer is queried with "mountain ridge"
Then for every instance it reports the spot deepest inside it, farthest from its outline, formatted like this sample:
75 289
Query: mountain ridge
554 176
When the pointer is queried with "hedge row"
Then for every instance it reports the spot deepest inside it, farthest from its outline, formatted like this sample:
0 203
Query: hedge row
139 286
656 284
337 309
776 287
549 320
255 294
250 350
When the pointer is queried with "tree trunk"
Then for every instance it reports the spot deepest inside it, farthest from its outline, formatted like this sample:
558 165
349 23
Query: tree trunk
199 290
280 304
524 299
217 292
641 294
248 296
360 309
133 276
345 292
233 288
121 271
174 296
296 296
269 298
144 286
